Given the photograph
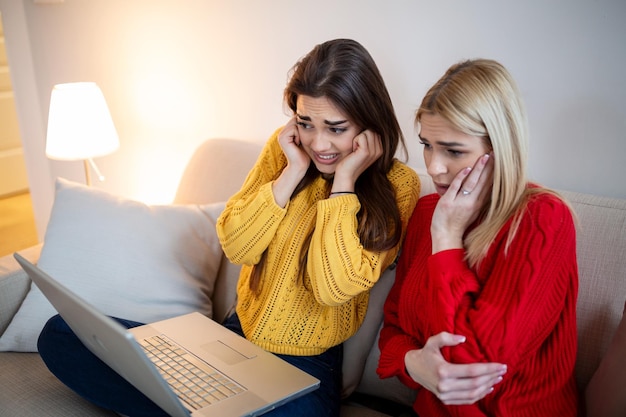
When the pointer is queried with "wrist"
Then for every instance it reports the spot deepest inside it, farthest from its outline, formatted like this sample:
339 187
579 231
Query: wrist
342 182
295 171
409 358
445 241
338 193
284 185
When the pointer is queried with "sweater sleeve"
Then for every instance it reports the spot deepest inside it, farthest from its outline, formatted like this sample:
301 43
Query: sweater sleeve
339 267
251 216
510 306
394 342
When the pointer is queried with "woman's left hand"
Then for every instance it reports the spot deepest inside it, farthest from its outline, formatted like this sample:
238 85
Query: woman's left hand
453 384
366 149
459 207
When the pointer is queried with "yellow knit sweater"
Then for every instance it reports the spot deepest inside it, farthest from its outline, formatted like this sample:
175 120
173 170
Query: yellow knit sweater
289 316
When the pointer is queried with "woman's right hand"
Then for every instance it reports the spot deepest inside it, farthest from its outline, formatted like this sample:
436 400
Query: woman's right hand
453 384
297 163
289 139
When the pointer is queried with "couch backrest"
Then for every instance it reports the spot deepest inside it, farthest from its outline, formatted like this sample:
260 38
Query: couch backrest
216 171
601 250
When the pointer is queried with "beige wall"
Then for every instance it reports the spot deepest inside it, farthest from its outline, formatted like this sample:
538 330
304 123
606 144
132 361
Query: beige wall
174 75
13 178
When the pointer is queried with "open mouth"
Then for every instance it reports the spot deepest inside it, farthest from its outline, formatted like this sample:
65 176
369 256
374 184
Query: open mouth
327 158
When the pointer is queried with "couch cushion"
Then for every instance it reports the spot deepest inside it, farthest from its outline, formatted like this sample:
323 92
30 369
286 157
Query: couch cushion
389 388
356 348
14 284
29 389
139 262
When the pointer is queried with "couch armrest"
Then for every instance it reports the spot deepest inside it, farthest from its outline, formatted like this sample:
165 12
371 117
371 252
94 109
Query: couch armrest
14 284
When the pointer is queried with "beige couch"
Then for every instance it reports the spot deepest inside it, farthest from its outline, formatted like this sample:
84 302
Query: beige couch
216 171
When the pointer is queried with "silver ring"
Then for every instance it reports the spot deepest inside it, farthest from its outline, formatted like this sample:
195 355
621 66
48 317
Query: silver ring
465 192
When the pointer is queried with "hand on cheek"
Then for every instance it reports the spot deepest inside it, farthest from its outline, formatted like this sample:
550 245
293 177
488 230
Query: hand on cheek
460 206
366 149
289 139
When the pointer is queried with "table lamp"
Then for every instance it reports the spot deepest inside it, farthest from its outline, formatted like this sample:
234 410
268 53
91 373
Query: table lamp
80 125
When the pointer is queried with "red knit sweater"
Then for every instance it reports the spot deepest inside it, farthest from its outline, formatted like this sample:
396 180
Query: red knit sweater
517 308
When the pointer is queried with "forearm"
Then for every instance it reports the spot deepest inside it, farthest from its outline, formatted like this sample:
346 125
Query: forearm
248 225
355 269
339 267
285 184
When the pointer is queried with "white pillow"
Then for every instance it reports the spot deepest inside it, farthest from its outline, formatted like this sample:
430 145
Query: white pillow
130 260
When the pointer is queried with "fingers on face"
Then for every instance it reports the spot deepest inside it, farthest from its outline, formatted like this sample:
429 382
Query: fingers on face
459 181
372 141
363 140
478 176
294 133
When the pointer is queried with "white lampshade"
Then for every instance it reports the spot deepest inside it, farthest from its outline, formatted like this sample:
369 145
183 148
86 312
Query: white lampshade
79 123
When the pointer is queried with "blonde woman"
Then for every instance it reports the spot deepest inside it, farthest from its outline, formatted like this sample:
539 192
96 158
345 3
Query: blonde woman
482 316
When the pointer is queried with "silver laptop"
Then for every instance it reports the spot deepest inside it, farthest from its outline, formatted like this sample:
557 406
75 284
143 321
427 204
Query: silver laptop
236 377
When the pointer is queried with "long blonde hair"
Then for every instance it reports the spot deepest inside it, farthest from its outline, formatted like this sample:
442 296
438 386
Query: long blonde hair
480 98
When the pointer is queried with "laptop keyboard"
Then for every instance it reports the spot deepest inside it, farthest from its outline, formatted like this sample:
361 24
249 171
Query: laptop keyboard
195 386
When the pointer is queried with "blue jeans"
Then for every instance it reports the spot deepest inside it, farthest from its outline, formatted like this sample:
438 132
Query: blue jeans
74 365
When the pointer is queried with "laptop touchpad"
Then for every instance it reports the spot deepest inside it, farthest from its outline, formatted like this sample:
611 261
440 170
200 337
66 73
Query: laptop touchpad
224 352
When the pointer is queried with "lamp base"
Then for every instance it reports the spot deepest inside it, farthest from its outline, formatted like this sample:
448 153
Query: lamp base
87 174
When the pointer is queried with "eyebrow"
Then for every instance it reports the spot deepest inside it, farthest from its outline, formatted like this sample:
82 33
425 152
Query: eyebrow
444 143
327 122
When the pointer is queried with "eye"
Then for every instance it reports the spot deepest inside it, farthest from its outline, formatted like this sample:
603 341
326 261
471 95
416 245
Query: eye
337 130
426 144
303 125
455 153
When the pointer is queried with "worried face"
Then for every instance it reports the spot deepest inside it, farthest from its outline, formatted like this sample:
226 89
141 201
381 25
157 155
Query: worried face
326 134
447 151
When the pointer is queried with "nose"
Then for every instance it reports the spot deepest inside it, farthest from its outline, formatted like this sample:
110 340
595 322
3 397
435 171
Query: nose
435 165
320 142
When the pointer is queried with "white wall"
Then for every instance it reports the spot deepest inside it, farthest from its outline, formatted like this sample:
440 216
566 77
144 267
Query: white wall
177 72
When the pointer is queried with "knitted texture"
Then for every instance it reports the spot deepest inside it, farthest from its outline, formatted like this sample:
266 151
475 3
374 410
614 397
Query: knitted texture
517 308
290 314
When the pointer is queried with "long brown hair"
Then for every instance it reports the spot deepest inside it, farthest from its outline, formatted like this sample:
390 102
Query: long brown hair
343 71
